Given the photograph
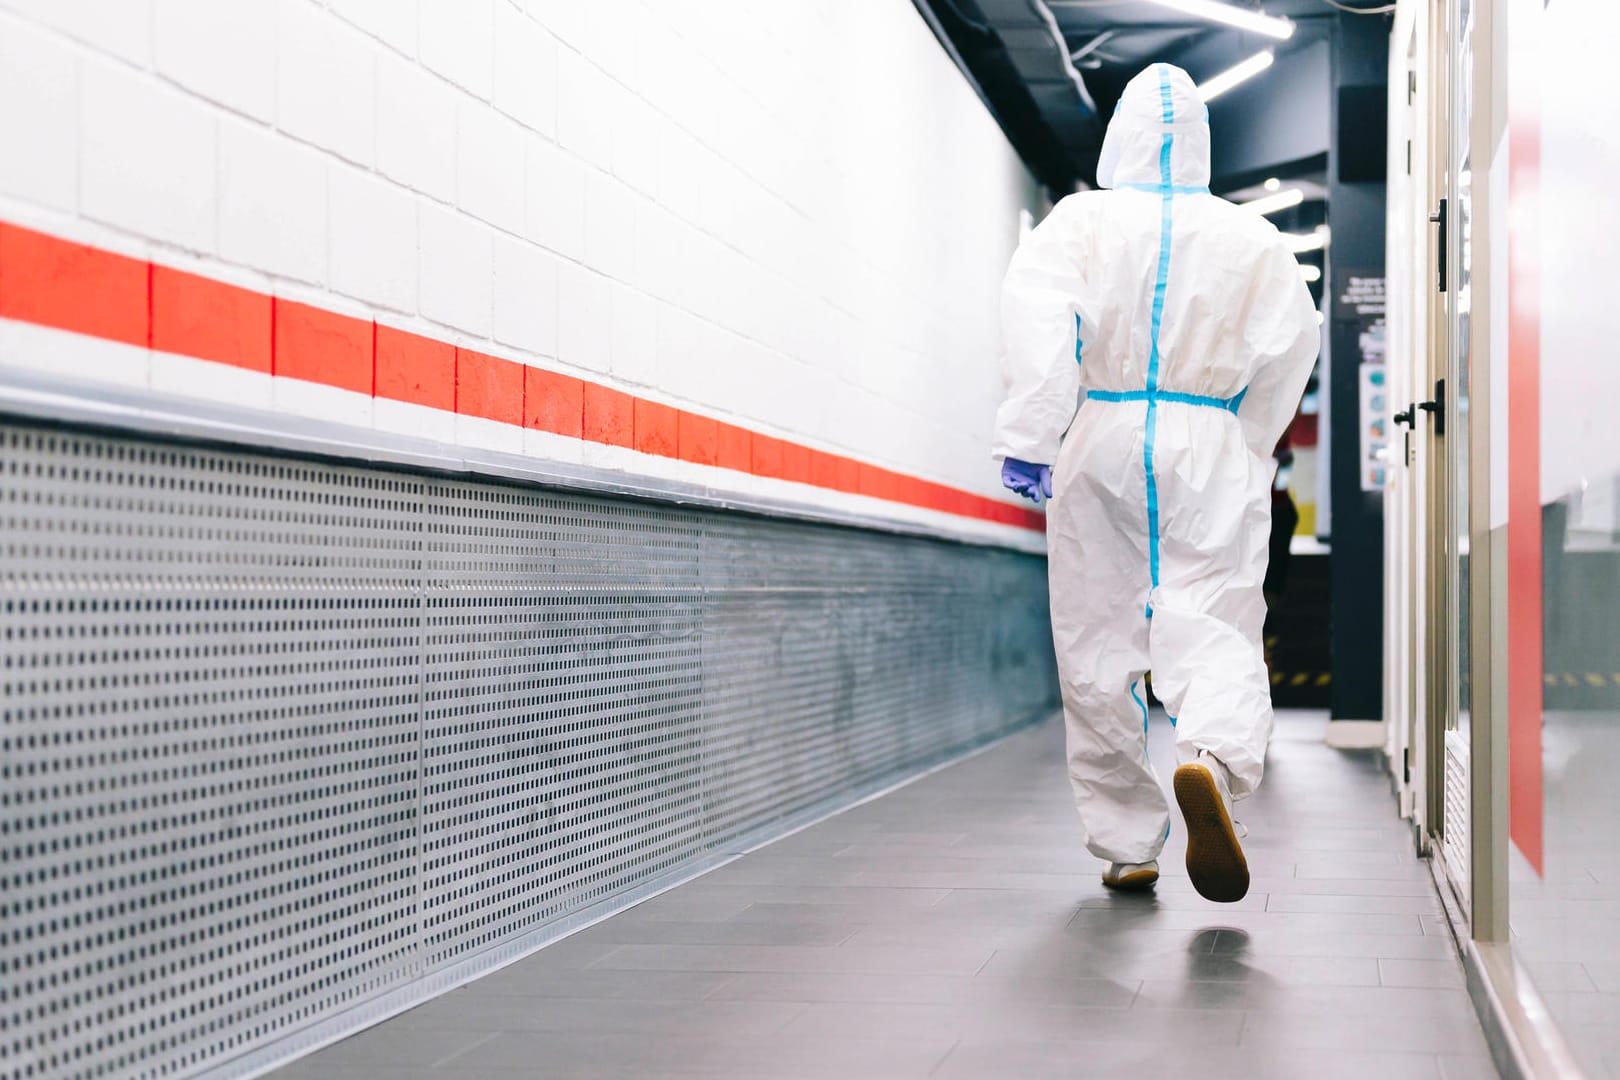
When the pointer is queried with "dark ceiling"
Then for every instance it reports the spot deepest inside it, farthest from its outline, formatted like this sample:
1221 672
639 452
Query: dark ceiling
1009 50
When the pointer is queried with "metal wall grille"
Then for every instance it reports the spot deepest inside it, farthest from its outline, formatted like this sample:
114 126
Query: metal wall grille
279 735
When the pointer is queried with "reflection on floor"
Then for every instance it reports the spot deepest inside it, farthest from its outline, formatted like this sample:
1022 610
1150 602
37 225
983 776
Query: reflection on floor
956 928
1566 924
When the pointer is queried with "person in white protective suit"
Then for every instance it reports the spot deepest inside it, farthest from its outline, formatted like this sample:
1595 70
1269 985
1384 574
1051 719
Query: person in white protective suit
1186 325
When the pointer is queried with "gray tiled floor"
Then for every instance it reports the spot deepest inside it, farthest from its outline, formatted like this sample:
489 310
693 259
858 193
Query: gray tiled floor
956 929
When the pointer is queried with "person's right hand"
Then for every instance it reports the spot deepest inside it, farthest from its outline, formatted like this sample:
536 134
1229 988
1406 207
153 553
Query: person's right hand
1027 479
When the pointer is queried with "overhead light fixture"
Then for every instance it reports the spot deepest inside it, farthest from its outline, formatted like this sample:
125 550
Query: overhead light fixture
1231 77
1311 241
1274 184
1271 204
1215 11
1311 274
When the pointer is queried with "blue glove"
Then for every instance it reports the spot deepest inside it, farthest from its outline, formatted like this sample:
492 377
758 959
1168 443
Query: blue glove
1031 481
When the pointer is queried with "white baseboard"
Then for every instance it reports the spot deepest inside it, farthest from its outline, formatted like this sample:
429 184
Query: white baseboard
1355 734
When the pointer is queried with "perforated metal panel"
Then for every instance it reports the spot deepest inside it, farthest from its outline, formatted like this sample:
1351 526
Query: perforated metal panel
1455 828
279 736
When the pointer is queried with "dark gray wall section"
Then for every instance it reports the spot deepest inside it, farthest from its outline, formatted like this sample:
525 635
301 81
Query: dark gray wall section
1356 215
1281 116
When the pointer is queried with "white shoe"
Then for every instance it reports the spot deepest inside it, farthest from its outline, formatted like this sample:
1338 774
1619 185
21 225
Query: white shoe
1215 861
1131 876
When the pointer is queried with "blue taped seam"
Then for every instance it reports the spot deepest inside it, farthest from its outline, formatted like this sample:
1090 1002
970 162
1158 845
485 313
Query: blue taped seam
1224 404
1161 282
1078 343
1140 704
1160 188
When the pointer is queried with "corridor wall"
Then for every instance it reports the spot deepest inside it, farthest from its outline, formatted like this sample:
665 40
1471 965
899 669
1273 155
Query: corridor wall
468 465
679 240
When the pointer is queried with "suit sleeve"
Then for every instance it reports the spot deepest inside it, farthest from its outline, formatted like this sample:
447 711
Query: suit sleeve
1041 300
1284 336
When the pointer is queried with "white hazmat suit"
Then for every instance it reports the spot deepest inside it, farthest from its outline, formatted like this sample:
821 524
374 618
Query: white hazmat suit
1187 324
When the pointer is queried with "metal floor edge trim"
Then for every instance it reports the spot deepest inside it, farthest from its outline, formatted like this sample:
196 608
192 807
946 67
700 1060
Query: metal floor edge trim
1525 1043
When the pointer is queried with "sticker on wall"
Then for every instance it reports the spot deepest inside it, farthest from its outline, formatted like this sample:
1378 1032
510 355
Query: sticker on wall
1374 427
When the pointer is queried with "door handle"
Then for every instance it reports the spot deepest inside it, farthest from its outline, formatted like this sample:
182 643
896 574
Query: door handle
1439 218
1437 407
1408 416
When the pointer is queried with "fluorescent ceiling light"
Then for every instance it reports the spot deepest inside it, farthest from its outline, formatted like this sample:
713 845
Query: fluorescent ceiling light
1311 241
1270 204
1274 184
1310 273
1231 77
1215 11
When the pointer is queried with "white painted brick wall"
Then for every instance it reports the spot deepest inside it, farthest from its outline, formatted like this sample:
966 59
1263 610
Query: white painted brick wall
416 128
272 202
147 156
584 319
373 239
115 28
794 216
489 165
586 99
525 75
457 270
634 350
554 198
222 52
39 110
325 86
457 41
393 22
525 300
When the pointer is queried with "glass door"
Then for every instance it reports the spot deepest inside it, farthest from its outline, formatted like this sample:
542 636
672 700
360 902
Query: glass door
1448 417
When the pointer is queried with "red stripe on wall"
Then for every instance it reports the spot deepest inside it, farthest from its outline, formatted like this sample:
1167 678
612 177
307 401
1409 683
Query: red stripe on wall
210 320
657 429
1524 578
489 387
610 416
698 439
53 282
553 402
415 369
322 346
734 447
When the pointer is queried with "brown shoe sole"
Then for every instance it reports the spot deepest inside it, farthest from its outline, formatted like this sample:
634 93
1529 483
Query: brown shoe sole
1215 861
1133 882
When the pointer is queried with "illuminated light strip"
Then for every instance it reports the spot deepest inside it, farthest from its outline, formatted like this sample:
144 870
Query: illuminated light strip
1300 243
1271 204
1236 76
1214 11
48 281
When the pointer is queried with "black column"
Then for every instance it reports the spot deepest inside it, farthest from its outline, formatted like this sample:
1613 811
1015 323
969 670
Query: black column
1356 216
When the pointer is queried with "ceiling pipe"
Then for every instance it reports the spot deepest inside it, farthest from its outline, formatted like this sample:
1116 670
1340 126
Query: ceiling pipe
1091 46
1046 16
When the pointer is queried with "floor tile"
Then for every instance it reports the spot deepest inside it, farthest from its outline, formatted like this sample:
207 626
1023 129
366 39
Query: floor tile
1444 974
957 929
